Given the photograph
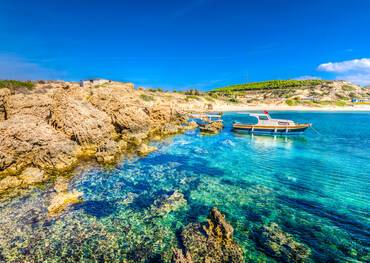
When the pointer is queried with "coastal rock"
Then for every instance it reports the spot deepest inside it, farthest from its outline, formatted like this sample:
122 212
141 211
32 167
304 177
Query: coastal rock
29 104
9 182
32 175
179 257
4 95
61 184
27 140
107 152
213 127
169 202
160 114
212 242
80 121
191 125
61 200
125 116
281 245
145 149
169 129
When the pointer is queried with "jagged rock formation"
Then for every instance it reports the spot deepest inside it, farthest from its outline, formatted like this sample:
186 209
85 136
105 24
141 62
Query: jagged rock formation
80 121
48 128
212 242
30 104
281 245
27 140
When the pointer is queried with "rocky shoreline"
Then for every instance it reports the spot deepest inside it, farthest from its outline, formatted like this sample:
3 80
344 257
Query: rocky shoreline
46 132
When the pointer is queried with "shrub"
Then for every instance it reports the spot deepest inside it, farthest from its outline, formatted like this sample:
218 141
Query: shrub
146 97
272 84
12 84
291 102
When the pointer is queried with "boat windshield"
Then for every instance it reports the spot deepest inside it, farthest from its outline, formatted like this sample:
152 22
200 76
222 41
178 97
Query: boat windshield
263 118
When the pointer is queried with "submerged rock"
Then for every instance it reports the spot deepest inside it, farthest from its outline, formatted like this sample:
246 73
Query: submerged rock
281 245
61 200
212 242
179 257
145 149
168 203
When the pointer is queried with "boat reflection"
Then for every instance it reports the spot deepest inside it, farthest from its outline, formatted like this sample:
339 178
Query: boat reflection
271 141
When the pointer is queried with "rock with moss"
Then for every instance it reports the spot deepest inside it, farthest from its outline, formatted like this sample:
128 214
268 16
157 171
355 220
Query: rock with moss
211 242
281 245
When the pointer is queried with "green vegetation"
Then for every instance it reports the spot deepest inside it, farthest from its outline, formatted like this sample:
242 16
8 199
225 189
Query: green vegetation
340 103
189 97
192 92
12 84
146 97
156 89
292 102
348 88
272 84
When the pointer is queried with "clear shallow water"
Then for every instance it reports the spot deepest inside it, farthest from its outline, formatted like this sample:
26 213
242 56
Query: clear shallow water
315 187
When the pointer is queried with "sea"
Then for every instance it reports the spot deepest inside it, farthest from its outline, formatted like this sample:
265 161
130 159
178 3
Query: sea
314 186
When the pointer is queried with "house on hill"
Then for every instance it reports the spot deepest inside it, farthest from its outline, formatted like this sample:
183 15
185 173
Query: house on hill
93 82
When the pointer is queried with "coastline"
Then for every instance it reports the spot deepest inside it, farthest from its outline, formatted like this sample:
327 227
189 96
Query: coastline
261 107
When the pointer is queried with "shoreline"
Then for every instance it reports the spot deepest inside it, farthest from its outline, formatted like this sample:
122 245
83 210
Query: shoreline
262 107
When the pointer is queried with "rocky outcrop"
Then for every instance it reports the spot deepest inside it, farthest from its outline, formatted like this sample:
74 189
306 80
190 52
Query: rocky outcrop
27 140
80 121
212 242
213 127
46 129
29 104
145 149
32 175
168 202
4 95
281 245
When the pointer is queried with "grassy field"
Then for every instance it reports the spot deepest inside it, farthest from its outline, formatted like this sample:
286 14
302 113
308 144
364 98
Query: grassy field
12 84
272 84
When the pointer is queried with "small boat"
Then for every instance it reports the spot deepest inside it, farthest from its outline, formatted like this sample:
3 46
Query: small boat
268 125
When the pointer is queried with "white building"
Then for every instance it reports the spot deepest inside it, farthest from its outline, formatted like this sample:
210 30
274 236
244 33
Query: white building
93 82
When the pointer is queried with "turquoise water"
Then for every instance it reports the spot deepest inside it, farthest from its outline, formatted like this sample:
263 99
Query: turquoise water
316 187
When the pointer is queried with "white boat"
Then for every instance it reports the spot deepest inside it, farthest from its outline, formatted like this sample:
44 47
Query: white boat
268 125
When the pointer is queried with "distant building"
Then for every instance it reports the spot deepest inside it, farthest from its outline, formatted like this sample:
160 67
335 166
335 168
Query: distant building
314 99
93 82
360 100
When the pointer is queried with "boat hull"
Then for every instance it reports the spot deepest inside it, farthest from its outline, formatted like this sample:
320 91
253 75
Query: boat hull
280 130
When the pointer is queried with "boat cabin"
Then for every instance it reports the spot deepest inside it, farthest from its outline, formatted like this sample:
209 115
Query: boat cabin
265 119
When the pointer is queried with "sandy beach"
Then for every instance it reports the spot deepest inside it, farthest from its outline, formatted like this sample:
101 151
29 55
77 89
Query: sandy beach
261 107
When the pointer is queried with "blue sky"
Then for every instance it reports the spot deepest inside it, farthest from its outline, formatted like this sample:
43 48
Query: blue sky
184 44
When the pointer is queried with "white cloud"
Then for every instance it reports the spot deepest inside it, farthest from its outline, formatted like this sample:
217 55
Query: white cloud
362 79
362 64
14 67
356 70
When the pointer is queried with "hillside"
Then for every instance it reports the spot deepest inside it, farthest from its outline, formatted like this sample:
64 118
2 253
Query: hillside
294 92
